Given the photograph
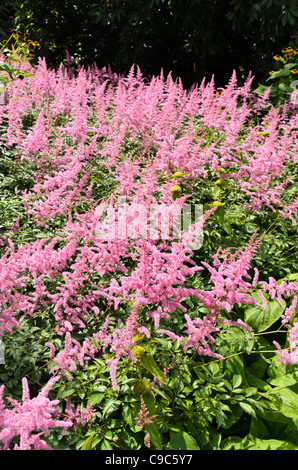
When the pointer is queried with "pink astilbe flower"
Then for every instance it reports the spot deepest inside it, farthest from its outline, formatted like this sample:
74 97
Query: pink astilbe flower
143 417
227 276
79 416
287 316
120 342
290 355
58 193
33 260
37 137
36 414
160 272
73 352
170 334
277 290
290 211
199 332
141 132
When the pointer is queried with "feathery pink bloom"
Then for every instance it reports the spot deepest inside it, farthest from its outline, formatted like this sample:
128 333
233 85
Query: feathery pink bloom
36 414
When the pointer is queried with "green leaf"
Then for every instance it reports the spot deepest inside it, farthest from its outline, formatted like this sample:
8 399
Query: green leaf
223 220
128 415
248 409
66 392
283 381
264 133
236 380
149 363
216 192
234 339
88 443
6 68
261 89
285 88
183 441
150 403
258 429
96 398
279 73
260 319
289 277
287 401
267 444
110 406
155 436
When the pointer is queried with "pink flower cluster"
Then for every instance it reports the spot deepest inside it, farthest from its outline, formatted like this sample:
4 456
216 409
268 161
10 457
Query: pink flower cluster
24 419
139 132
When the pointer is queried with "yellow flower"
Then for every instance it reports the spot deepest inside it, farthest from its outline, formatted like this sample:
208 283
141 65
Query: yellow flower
276 57
294 71
284 50
271 72
288 56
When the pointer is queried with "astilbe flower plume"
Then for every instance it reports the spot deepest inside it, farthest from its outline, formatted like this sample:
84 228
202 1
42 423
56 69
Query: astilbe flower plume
143 417
79 415
24 419
138 132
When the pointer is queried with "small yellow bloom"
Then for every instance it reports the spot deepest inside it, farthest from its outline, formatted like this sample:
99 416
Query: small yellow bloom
288 56
284 50
271 72
294 71
276 57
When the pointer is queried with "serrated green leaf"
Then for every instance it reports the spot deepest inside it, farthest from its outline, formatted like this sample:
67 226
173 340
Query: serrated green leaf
267 444
248 409
96 398
183 441
287 402
150 403
88 443
260 319
150 364
110 406
223 220
155 436
216 192
66 392
236 380
128 415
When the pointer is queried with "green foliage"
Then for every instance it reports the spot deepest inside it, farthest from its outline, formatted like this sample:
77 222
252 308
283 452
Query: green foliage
190 39
7 12
245 401
282 79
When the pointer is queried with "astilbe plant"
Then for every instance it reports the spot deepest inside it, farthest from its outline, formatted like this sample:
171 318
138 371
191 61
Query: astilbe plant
31 415
138 133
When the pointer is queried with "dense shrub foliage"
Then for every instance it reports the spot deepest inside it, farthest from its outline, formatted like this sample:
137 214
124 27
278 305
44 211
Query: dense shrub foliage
191 39
136 341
